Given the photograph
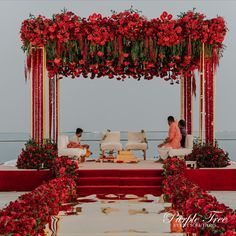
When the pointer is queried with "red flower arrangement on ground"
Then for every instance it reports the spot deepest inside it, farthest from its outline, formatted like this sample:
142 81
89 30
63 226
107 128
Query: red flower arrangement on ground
124 44
209 155
37 156
32 211
189 199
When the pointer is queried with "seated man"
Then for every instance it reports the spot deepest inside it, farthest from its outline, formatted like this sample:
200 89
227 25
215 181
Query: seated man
75 142
172 141
182 127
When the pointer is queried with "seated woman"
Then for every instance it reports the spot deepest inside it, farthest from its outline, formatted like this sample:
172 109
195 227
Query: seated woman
75 142
172 141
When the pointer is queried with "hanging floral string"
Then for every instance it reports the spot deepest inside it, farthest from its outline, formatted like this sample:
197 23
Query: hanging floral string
124 43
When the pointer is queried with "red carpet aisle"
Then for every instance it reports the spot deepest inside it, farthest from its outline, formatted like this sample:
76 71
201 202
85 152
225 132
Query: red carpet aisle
120 181
22 180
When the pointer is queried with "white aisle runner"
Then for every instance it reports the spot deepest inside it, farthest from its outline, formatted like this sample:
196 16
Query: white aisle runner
116 217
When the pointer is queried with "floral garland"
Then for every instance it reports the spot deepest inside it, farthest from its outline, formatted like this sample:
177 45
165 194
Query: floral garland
125 44
189 199
32 211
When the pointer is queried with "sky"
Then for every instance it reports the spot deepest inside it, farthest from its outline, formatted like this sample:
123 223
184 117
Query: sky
96 105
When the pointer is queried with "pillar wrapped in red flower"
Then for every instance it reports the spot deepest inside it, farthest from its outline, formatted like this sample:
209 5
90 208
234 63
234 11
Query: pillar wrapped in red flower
209 100
38 94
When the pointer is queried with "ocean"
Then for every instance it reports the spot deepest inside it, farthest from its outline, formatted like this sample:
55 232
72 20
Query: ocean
12 143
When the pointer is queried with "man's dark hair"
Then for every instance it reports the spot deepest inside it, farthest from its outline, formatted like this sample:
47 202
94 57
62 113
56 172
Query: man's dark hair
182 123
79 131
171 118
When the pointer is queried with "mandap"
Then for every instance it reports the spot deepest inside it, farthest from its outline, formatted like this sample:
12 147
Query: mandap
123 45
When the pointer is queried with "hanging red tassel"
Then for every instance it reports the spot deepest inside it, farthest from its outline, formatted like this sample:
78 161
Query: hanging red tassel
185 98
37 99
189 104
211 101
151 50
81 45
115 46
33 106
146 45
53 110
189 47
50 108
194 85
206 100
85 51
215 58
58 49
120 48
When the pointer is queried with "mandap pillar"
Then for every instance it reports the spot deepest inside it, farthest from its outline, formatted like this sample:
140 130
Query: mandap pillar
39 107
38 101
207 96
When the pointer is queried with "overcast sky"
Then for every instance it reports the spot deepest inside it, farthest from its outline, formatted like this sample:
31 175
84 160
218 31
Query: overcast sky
100 104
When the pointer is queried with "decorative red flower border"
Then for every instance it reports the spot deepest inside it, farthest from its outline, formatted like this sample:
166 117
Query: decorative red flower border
32 211
189 199
124 44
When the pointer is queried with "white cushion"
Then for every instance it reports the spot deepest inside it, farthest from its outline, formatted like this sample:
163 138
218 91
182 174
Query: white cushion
180 152
137 137
72 152
117 146
189 141
111 137
136 146
163 152
63 141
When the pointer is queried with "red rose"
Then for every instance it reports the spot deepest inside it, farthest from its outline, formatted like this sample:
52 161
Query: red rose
164 14
57 61
178 29
100 54
81 62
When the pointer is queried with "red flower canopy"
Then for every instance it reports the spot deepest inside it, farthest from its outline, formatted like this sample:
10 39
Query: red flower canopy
124 44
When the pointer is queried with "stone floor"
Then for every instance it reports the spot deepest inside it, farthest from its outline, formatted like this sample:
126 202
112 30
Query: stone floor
134 216
7 197
226 197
